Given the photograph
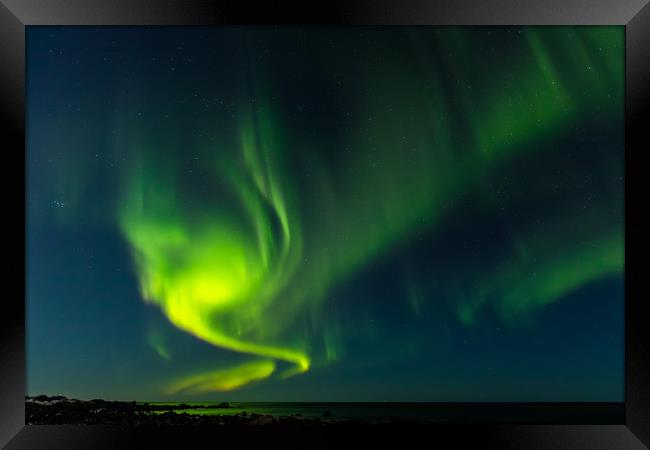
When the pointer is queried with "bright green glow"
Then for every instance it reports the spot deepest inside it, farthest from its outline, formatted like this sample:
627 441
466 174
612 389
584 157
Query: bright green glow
224 380
249 270
214 274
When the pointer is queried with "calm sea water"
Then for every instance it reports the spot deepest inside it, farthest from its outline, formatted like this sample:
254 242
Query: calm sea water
594 413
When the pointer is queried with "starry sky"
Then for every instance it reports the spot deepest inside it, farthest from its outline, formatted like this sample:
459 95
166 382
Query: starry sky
325 213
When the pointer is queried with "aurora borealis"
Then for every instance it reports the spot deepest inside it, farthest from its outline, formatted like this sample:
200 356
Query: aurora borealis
308 214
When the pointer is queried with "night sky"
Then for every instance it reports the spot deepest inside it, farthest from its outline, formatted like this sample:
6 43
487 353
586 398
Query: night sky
325 214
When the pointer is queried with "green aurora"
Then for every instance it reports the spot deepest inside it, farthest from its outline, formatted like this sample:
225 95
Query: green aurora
238 274
448 131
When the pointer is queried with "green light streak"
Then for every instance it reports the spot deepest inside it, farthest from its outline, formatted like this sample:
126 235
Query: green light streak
223 380
157 343
537 276
209 275
249 270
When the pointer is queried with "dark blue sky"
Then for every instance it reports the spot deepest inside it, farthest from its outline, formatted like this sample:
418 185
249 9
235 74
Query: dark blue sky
453 200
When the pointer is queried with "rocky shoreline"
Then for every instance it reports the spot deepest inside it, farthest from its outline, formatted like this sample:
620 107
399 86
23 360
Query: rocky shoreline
59 410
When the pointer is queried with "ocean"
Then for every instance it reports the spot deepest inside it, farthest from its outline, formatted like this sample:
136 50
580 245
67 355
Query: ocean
524 413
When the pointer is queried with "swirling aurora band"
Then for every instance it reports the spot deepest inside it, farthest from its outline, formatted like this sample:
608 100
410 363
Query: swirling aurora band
214 279
239 273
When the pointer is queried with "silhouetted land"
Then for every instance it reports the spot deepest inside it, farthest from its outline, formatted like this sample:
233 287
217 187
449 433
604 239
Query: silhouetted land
43 410
57 410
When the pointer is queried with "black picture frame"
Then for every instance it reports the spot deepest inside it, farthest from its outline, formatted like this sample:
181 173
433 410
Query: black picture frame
16 14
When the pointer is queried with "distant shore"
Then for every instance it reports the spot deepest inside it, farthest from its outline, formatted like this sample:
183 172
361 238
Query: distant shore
59 410
42 410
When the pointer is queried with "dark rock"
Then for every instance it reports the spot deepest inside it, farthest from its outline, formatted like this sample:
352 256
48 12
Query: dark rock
262 420
101 412
223 405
